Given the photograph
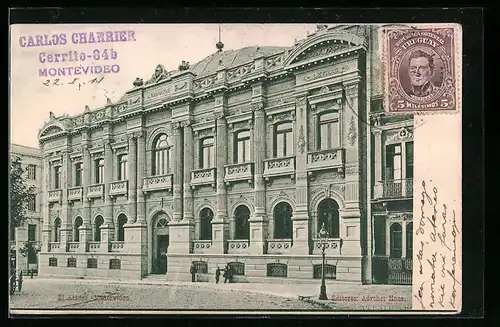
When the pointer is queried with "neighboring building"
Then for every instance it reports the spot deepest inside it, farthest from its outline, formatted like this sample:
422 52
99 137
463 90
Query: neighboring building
31 231
238 159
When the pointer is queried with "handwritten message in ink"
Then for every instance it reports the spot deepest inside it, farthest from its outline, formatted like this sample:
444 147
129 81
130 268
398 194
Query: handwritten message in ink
437 268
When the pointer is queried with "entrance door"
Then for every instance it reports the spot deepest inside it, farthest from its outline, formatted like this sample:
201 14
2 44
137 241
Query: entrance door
161 254
160 244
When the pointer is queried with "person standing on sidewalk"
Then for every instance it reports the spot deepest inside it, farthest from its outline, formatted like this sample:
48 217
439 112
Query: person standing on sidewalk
192 270
217 275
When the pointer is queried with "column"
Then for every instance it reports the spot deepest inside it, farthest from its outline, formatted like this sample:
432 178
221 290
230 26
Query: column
178 172
46 231
107 229
300 219
403 169
85 229
132 178
387 238
403 239
259 223
378 190
188 167
141 167
220 230
66 223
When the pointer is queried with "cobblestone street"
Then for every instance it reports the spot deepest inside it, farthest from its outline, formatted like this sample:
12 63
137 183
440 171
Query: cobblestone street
75 294
165 295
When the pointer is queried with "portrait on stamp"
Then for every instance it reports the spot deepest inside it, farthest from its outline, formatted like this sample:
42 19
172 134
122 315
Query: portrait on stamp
420 66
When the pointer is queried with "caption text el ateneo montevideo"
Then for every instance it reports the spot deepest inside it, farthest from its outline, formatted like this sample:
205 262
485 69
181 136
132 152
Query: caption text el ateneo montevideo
77 59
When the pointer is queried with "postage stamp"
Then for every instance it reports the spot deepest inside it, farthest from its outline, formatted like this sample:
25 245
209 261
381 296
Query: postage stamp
422 68
254 174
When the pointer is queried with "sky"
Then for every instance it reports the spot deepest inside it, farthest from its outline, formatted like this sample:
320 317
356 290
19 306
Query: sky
167 44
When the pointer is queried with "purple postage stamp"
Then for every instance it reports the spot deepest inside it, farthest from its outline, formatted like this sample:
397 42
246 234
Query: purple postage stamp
422 66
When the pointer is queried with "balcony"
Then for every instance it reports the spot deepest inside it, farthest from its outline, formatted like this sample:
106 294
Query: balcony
204 176
75 193
55 196
118 188
202 246
239 172
326 159
73 246
116 246
394 189
54 246
332 246
283 246
95 191
237 246
94 246
279 167
155 183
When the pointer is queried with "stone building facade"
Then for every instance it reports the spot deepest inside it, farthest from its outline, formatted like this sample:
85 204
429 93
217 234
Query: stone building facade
239 159
31 230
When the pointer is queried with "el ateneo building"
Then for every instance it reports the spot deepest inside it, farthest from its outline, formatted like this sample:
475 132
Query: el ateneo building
239 159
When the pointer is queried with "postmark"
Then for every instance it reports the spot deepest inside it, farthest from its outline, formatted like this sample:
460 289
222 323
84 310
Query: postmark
422 71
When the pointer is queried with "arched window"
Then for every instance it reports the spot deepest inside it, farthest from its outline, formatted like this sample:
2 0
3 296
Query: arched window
328 131
57 229
207 153
162 222
99 171
283 140
242 147
122 220
409 240
206 216
328 214
282 221
122 167
396 240
241 225
97 228
76 229
162 155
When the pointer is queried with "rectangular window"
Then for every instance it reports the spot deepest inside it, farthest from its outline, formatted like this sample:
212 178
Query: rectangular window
32 202
91 263
122 168
393 162
114 264
52 262
242 144
32 172
99 171
31 233
57 177
207 159
409 159
78 174
283 144
72 262
328 131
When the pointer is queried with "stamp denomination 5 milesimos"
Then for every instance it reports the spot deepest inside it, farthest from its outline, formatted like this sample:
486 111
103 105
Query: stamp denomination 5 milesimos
421 67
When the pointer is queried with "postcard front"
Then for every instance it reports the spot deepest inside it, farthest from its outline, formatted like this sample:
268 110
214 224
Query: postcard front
193 168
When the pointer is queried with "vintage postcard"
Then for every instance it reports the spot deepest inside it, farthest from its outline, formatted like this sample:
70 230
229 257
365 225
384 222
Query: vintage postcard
235 168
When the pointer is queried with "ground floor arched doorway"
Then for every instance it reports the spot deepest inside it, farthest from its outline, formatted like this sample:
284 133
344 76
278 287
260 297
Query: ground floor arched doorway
160 244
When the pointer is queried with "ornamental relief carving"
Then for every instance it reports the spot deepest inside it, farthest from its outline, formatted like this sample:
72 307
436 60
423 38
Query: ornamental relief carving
402 135
205 203
289 115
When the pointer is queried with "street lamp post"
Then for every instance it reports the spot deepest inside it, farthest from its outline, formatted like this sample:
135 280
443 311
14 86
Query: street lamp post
323 235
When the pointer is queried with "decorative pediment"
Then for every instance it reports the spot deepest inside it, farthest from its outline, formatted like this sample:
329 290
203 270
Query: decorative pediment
51 130
323 45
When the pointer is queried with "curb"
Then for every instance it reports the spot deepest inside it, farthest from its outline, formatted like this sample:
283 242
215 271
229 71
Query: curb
309 299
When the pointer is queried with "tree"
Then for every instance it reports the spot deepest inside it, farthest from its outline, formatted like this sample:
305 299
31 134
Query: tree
20 194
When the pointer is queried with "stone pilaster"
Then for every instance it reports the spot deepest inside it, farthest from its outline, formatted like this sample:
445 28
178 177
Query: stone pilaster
178 171
300 219
132 178
107 229
220 231
141 167
86 229
46 231
258 223
378 185
66 223
188 167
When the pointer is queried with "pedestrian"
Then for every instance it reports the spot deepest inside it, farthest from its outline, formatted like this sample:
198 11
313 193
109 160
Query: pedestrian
217 275
192 270
227 274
